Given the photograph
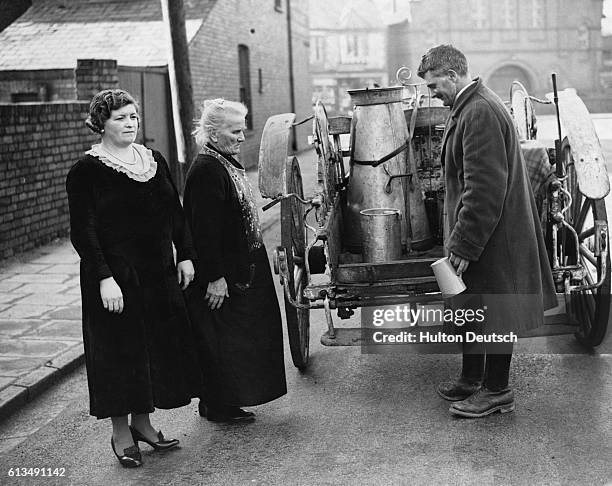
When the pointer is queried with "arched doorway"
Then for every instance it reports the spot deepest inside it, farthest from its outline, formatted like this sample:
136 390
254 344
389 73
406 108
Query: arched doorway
501 79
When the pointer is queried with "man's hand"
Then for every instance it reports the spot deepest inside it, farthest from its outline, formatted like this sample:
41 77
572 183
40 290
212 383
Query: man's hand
112 297
216 293
185 273
459 263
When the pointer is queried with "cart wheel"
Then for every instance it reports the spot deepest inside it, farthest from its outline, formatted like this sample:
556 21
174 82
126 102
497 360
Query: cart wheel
329 171
294 241
522 111
590 308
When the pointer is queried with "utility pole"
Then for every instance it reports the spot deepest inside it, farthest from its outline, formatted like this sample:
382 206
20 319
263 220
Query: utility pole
291 77
180 81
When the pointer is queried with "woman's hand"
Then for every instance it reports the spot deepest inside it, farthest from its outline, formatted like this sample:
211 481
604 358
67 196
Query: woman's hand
185 273
112 297
216 293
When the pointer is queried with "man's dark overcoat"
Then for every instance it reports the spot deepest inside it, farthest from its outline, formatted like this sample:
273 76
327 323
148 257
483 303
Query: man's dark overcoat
491 216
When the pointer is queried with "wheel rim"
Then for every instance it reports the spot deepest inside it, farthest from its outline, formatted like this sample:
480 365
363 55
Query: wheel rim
303 317
591 308
329 174
522 111
295 244
293 240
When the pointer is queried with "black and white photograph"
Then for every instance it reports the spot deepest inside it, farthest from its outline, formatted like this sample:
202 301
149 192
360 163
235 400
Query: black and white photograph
305 242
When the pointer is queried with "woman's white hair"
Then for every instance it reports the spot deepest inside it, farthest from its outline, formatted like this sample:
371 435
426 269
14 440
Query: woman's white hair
214 114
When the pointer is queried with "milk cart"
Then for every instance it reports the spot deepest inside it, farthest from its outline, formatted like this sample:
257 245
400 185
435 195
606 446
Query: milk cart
327 259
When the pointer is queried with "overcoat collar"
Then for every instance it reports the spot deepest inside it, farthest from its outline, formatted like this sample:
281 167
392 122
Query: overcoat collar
457 107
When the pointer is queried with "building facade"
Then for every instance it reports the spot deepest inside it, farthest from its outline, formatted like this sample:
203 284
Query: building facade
242 52
505 40
347 50
238 49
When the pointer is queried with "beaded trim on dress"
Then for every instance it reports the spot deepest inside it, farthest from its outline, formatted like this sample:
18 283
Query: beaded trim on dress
147 173
250 218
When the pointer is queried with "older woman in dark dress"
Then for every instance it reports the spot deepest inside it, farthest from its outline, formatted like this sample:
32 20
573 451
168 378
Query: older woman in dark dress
233 302
125 215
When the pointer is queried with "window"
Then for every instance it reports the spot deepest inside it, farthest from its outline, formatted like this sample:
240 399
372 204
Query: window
583 36
480 14
24 97
537 14
244 75
353 49
317 46
352 46
509 13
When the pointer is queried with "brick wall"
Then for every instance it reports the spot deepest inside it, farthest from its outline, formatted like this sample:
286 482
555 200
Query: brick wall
94 75
302 80
39 142
213 56
89 77
48 84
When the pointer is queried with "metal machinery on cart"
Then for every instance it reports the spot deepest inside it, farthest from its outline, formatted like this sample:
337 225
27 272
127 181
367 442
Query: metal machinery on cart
394 163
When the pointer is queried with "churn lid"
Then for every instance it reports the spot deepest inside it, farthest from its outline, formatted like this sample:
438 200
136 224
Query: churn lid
376 96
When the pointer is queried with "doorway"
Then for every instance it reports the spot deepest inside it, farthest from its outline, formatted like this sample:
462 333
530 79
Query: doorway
151 88
501 80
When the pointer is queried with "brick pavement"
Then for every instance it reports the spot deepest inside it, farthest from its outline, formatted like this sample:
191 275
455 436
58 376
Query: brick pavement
40 310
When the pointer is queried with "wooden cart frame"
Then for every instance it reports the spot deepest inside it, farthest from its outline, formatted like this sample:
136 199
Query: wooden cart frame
573 217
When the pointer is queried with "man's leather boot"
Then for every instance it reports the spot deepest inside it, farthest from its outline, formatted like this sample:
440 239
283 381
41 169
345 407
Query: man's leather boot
457 390
484 402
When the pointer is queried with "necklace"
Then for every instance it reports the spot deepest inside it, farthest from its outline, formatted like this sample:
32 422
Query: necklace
121 161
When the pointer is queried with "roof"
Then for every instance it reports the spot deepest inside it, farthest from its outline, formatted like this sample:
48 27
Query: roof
108 10
49 45
53 34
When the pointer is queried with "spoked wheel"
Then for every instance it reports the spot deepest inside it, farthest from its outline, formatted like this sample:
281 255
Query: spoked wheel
293 240
591 308
522 111
329 170
322 142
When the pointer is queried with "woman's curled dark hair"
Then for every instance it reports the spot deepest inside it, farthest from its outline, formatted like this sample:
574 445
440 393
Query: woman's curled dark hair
103 103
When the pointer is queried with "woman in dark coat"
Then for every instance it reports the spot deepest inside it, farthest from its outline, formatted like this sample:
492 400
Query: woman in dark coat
233 302
125 215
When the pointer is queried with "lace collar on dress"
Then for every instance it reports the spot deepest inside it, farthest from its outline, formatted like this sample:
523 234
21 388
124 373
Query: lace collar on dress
146 172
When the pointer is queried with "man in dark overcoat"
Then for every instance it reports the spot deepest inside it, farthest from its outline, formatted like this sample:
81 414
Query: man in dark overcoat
492 232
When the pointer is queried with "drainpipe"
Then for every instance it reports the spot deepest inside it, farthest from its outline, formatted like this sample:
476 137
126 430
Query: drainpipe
291 80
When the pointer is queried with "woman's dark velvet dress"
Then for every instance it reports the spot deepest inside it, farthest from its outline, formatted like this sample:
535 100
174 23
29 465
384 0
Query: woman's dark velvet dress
240 344
142 358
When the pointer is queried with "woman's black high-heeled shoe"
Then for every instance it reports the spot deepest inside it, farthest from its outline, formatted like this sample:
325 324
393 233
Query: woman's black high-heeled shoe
131 456
162 444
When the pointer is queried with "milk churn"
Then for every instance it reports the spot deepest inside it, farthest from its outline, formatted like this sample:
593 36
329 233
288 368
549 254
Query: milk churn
379 130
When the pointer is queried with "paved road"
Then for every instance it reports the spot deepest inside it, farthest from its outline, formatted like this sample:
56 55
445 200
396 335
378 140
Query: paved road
350 418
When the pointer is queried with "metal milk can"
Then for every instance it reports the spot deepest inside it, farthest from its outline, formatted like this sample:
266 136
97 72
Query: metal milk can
379 129
381 235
